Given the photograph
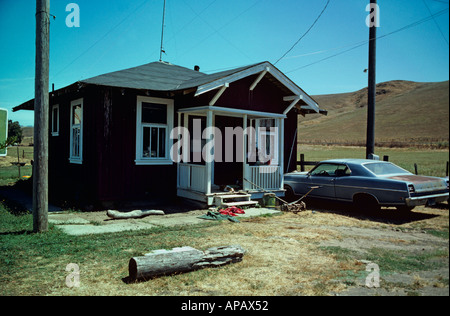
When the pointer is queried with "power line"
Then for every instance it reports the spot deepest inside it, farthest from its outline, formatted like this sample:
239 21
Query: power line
379 37
435 22
100 39
310 28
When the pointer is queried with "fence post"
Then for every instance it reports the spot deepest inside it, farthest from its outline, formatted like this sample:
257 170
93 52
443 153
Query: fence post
446 170
385 158
415 169
302 162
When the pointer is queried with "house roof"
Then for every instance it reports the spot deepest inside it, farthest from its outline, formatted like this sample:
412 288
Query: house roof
163 76
157 76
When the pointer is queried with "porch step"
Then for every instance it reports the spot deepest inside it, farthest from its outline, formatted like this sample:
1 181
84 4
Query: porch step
233 199
241 203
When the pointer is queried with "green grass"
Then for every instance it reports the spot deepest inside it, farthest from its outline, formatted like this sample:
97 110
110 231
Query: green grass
30 259
429 162
11 174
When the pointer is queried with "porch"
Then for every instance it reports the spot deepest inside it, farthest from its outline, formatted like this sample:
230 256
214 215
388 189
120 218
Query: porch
205 179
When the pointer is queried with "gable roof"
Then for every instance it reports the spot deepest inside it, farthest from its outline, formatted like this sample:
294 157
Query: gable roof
157 76
163 76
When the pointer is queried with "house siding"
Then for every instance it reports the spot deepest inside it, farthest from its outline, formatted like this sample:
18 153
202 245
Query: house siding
108 175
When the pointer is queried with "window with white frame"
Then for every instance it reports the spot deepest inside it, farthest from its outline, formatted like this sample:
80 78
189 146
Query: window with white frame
153 125
55 120
76 131
266 142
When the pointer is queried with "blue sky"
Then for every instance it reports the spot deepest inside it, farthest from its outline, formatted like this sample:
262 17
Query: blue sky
222 34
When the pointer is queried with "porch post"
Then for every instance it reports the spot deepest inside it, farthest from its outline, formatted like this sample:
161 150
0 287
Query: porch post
281 152
209 162
245 168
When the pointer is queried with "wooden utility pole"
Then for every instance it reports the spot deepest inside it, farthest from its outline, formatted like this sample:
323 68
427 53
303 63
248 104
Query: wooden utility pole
370 145
41 118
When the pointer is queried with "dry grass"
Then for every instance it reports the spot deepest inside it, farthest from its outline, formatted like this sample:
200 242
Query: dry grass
284 257
406 112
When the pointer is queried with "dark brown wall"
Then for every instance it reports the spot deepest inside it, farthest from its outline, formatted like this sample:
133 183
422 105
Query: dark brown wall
109 172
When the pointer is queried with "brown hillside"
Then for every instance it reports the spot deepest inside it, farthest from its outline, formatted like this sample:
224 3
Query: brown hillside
405 112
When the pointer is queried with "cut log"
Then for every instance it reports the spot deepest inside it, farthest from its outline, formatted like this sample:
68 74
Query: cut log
180 260
133 214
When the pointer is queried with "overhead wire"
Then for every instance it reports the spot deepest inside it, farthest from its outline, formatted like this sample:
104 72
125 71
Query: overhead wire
379 37
100 39
435 22
301 37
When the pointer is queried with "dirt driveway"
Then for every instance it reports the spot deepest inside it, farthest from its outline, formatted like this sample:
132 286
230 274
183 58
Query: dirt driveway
386 253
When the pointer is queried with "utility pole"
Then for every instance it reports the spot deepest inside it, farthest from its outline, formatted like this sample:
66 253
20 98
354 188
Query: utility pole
370 145
41 118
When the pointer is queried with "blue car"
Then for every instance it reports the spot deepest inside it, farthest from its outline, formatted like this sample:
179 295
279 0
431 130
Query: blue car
369 184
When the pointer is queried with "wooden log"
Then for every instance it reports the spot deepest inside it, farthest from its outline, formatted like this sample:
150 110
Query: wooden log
133 214
180 260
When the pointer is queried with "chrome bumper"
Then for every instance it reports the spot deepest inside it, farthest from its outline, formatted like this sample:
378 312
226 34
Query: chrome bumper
428 199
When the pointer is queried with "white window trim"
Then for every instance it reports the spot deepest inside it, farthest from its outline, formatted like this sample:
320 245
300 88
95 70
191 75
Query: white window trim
72 159
140 160
55 133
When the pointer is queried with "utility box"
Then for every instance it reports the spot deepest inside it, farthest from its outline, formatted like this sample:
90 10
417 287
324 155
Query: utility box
3 131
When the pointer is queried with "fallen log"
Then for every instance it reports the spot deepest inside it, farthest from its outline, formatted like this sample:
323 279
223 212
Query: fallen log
133 214
180 260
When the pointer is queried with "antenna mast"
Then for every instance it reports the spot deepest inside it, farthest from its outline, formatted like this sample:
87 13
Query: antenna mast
162 32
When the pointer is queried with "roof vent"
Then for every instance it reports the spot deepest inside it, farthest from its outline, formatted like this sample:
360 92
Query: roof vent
197 68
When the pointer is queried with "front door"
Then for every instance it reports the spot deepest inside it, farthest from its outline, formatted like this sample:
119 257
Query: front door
228 171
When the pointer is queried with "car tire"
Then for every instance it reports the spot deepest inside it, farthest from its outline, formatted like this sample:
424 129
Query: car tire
365 202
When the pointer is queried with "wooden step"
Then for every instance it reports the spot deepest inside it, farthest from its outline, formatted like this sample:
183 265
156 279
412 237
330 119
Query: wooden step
233 196
241 203
219 199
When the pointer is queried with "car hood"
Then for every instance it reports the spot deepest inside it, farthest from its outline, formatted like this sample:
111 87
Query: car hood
422 183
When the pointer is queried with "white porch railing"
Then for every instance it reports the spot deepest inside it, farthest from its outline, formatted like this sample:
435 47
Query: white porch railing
191 177
266 177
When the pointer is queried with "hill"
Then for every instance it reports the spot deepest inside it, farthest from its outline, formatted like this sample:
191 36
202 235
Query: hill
407 113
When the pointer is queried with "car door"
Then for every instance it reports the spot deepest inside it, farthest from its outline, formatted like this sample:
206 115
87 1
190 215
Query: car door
323 176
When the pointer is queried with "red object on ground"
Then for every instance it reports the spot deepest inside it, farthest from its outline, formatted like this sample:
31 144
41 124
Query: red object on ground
232 211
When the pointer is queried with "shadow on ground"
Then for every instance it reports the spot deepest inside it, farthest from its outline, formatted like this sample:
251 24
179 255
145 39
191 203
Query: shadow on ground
385 215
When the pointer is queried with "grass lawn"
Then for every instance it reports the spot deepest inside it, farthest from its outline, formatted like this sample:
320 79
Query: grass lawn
10 173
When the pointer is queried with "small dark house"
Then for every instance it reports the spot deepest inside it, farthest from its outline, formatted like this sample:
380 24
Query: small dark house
111 137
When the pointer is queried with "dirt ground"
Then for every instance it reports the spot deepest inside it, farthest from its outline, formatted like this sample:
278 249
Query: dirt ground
325 250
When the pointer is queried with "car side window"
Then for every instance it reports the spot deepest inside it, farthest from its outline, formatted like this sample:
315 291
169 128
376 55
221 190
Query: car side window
342 171
330 170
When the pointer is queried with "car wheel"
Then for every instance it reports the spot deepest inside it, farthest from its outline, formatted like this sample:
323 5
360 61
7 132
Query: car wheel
364 202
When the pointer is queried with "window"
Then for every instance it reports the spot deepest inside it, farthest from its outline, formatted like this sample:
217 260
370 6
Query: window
330 170
153 125
76 131
55 120
266 141
383 168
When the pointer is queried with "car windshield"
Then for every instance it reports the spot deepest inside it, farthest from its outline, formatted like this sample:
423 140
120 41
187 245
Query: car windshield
380 168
